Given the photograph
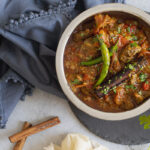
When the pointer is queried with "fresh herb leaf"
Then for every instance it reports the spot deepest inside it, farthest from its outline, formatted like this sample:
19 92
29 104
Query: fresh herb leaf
134 38
131 67
134 44
119 30
76 81
114 89
146 82
145 120
82 34
109 81
105 90
130 87
143 77
128 61
128 29
148 49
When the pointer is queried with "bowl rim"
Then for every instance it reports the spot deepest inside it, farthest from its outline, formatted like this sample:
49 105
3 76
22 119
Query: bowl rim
60 64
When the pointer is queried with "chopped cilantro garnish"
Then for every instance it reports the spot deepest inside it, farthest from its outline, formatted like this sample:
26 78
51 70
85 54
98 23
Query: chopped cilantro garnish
130 87
134 44
131 66
143 77
128 61
148 49
146 82
76 81
134 38
105 90
82 34
119 30
114 89
109 81
134 63
128 29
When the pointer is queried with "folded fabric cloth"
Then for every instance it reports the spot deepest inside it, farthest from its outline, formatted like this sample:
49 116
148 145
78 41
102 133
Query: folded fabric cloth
29 34
76 141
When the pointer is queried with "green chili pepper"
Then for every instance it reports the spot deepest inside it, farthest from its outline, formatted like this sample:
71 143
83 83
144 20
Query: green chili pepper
92 62
106 61
100 59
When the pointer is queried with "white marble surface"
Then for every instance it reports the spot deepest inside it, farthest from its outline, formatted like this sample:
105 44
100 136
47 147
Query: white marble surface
40 107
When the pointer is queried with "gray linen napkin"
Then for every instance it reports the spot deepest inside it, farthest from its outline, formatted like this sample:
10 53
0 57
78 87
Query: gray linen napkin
29 34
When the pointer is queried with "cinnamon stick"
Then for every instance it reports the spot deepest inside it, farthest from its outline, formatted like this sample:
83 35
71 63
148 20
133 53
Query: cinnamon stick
19 145
34 129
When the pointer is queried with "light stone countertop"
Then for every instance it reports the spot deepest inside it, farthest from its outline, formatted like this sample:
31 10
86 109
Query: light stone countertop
41 106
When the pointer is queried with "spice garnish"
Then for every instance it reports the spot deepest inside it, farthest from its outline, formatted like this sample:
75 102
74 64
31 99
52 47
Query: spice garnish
134 38
143 77
130 87
82 34
119 30
105 90
114 89
76 81
134 44
131 66
128 29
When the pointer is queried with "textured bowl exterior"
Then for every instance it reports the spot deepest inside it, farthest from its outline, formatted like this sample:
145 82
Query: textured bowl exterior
60 58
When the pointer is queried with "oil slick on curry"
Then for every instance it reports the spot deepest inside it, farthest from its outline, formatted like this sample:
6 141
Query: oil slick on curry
107 63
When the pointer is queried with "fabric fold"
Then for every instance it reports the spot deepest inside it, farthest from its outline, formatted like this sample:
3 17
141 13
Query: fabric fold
12 88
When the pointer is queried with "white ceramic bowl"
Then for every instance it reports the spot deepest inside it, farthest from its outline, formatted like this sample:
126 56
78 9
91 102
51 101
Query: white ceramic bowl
60 58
